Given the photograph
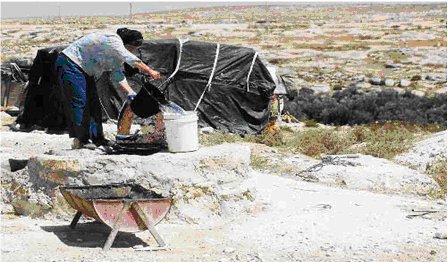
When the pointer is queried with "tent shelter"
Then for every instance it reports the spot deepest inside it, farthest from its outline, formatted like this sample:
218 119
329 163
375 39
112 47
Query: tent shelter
229 86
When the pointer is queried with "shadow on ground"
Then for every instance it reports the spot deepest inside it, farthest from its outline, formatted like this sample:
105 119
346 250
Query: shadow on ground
92 235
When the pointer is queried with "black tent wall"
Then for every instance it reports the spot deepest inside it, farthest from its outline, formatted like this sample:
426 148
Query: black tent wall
228 105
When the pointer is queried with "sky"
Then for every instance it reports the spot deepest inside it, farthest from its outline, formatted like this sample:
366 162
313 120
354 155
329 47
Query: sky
52 9
30 9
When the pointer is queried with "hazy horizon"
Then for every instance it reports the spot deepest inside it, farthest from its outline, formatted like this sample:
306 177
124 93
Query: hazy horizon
55 9
25 10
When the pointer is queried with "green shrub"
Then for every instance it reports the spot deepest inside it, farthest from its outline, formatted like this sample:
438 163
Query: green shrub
258 162
310 123
438 172
385 140
217 138
314 142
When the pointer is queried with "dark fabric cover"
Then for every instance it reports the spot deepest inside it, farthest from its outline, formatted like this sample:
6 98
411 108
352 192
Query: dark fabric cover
145 103
226 106
42 104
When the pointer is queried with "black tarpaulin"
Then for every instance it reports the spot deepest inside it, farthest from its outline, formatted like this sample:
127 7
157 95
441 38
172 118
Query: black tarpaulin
229 104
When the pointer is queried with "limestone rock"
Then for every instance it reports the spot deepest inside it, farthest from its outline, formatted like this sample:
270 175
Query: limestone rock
359 78
390 64
362 85
424 152
373 174
199 182
389 82
54 170
375 81
321 88
418 93
405 83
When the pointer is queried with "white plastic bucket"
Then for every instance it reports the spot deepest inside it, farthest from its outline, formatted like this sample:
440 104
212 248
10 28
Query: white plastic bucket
181 131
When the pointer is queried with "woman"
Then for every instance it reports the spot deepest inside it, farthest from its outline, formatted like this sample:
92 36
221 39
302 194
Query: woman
81 64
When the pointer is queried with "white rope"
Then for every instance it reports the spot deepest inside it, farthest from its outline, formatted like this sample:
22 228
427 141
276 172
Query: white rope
250 70
175 70
177 66
19 73
209 83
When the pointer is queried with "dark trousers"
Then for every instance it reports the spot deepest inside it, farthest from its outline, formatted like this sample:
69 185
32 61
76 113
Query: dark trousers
80 100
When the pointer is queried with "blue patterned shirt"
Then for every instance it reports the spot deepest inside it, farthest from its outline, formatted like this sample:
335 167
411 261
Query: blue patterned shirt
101 52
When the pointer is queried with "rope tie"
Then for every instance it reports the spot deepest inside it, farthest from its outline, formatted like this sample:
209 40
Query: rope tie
20 76
209 83
179 59
250 70
177 66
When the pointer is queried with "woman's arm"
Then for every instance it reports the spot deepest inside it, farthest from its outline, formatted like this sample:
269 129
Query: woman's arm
147 70
126 87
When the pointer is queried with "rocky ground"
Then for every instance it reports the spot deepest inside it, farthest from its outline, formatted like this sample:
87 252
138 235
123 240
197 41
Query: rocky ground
325 47
364 210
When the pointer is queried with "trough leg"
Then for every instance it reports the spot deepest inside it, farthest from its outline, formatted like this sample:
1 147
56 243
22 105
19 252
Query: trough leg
116 226
148 225
75 219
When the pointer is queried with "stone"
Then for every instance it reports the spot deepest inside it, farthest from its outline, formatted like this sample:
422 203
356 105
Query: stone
418 93
338 75
321 88
405 83
375 81
416 78
3 114
393 178
406 61
200 182
423 153
358 78
228 250
35 205
440 236
399 90
389 82
17 164
390 64
54 170
362 85
436 78
207 130
431 78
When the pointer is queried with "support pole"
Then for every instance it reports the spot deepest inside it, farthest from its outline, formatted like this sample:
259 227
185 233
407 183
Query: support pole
144 219
75 219
116 226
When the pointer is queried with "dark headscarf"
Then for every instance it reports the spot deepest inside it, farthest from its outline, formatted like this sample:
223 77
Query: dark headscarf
130 37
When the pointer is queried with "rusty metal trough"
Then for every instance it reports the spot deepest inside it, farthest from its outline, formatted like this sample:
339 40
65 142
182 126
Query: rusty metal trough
123 207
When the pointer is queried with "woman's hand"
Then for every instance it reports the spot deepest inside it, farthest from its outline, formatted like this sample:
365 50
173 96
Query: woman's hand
147 70
154 74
